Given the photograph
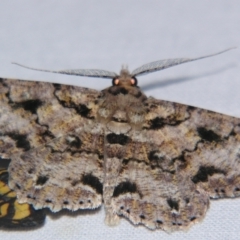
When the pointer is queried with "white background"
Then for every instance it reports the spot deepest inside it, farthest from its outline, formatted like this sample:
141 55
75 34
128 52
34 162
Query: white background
105 34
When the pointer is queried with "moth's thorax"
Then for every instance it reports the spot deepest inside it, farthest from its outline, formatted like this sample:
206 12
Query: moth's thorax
122 107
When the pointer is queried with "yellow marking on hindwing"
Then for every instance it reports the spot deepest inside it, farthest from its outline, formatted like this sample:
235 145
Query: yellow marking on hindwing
4 209
11 194
21 211
4 189
2 183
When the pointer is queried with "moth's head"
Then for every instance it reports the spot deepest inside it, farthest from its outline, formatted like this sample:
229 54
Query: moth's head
124 78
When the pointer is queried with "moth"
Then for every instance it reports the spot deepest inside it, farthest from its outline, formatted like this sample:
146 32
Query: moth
153 162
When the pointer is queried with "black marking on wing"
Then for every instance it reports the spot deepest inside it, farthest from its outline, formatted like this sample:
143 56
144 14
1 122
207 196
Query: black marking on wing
158 122
75 141
21 140
17 186
152 156
173 204
204 172
93 182
57 86
29 105
125 187
81 109
41 180
208 135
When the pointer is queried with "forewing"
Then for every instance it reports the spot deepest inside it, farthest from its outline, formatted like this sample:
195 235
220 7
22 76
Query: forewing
170 169
51 134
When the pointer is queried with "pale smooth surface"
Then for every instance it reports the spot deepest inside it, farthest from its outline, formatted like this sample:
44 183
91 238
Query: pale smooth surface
72 34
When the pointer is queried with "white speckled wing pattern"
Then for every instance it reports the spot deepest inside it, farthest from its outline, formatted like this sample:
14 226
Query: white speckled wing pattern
183 157
156 163
54 144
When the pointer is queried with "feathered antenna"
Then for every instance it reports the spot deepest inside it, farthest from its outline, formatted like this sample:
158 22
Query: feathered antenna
77 72
162 64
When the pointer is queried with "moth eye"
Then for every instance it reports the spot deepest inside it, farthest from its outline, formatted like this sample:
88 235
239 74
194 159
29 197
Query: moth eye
115 81
133 81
